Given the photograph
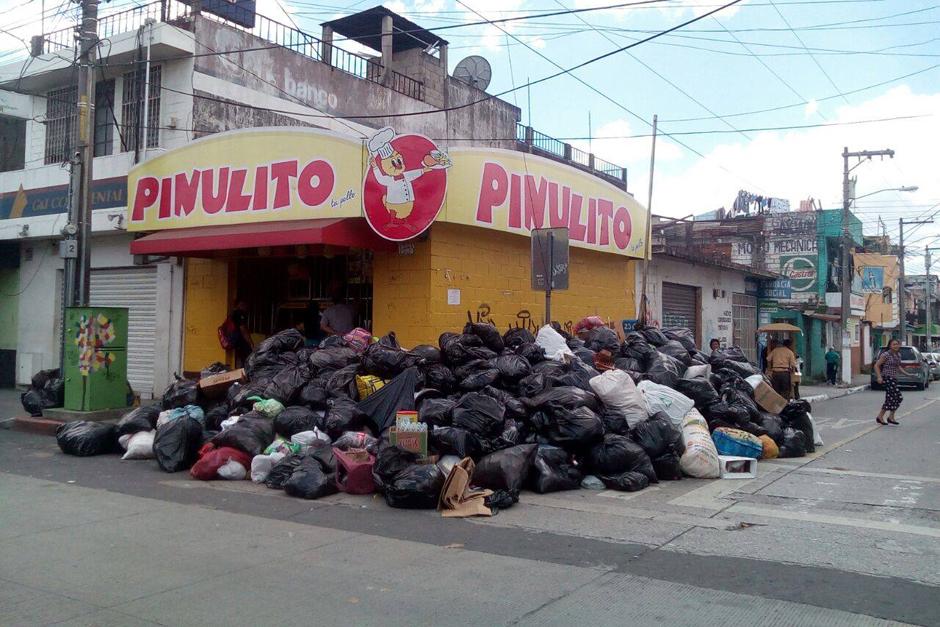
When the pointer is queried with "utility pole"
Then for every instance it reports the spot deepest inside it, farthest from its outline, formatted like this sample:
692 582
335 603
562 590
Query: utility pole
87 43
847 198
902 323
928 293
644 301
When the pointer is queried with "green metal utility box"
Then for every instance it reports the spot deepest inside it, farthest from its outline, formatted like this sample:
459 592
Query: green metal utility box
95 358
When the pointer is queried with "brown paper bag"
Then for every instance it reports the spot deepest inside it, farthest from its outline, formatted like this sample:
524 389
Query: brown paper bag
457 500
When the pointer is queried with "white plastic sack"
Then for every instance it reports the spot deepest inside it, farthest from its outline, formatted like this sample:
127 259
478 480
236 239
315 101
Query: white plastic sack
554 345
140 445
124 439
164 417
447 462
232 470
817 439
617 391
754 380
697 372
700 459
660 398
228 422
307 438
261 466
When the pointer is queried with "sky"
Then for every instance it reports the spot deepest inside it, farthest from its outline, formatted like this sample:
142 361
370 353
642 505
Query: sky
862 74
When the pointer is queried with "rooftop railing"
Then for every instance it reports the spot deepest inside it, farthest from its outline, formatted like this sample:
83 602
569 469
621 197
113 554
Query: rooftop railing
542 144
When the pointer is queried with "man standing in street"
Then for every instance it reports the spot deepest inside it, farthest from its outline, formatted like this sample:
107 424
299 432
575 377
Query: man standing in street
832 365
781 362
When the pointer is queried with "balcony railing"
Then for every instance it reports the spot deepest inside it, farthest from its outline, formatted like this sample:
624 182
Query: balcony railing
539 143
171 11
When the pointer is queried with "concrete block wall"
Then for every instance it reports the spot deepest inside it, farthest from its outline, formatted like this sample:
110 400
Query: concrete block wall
492 273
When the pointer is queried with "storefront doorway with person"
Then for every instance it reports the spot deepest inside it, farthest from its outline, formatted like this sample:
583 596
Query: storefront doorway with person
340 317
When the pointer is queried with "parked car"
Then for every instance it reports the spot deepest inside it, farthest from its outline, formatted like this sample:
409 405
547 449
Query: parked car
933 363
913 361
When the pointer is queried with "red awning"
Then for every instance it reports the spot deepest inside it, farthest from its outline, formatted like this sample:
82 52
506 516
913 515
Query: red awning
195 241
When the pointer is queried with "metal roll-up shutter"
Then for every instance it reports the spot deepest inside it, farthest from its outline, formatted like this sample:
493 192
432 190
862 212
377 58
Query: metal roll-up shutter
136 289
680 306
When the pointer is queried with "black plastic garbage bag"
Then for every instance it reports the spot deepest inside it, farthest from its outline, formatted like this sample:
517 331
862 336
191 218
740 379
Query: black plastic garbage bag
456 441
396 395
333 358
629 481
215 415
32 402
390 461
628 363
437 411
239 395
416 487
501 499
699 390
773 425
41 378
84 438
654 336
426 354
574 428
512 367
143 418
794 443
439 377
733 353
553 471
677 351
736 398
617 454
657 435
282 471
287 383
584 355
357 439
295 419
514 407
310 480
667 467
533 353
456 349
603 338
518 336
550 368
614 421
385 358
479 379
683 335
473 366
284 342
343 382
533 385
180 393
313 396
507 469
177 443
796 415
251 434
488 334
344 415
664 370
480 414
636 346
567 397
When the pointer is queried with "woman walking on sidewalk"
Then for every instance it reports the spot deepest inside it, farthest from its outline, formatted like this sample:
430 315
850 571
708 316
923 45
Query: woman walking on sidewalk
886 369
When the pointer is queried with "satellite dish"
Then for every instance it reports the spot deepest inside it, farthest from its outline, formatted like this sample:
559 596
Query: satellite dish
474 71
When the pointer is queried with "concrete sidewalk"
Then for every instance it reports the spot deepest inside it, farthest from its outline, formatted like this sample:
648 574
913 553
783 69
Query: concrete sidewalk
823 392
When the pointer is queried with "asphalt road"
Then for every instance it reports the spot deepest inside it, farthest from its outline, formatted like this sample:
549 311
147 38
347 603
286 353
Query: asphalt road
848 536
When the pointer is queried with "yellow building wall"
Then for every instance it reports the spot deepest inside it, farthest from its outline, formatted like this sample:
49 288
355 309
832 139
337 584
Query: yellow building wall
206 307
491 270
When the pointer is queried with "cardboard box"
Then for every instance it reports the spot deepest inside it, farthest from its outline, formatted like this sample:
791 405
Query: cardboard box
216 385
414 441
768 399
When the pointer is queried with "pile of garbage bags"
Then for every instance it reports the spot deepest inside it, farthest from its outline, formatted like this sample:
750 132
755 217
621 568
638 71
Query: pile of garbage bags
545 412
46 390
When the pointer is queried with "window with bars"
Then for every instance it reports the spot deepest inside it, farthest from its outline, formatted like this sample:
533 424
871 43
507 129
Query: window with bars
62 122
132 109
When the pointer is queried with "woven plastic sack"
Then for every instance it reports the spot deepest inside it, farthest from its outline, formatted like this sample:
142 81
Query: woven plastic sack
368 384
737 443
700 459
660 398
770 450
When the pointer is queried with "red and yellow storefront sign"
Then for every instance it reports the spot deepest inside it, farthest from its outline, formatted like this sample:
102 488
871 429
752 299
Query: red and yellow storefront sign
400 183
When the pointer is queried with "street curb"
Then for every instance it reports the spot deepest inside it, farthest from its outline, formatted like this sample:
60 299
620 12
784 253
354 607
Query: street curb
843 392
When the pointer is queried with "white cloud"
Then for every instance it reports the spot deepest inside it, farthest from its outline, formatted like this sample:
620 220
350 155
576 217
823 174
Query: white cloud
802 163
614 143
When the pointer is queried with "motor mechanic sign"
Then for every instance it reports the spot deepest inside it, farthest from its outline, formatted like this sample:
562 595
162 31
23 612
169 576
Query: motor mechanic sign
401 182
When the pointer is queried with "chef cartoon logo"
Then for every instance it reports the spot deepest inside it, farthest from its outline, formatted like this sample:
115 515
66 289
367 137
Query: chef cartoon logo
405 184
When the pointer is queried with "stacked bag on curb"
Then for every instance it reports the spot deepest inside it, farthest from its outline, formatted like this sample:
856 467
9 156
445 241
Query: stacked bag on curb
530 411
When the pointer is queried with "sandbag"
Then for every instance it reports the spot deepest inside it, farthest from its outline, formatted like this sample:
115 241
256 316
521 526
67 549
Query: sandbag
506 469
700 459
177 443
84 438
552 343
143 418
616 455
140 445
480 414
617 391
416 487
659 398
553 471
295 420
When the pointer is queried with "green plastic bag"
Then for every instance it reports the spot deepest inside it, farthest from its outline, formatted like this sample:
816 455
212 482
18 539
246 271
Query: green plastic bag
268 407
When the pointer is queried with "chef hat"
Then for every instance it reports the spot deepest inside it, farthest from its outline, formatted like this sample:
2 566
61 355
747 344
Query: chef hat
380 143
